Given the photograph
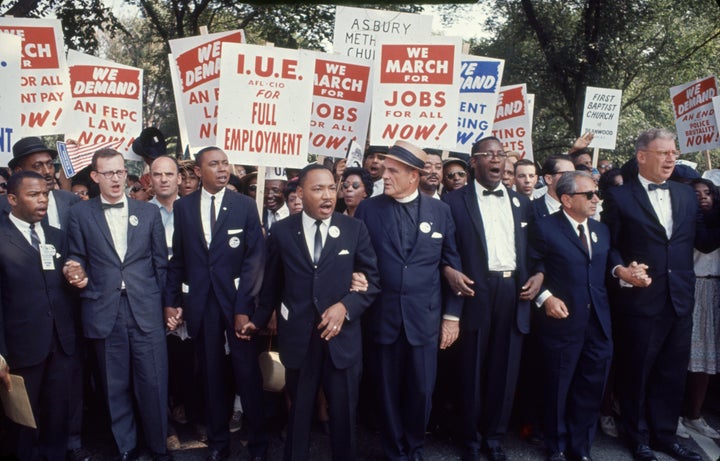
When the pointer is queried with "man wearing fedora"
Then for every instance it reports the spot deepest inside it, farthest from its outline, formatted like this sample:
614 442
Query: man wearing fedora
414 237
30 154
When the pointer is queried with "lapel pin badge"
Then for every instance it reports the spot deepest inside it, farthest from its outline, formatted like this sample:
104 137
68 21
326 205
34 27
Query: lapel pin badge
516 202
234 242
334 232
593 236
424 227
133 220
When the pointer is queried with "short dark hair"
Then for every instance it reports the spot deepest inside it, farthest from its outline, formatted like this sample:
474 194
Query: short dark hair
550 163
436 152
201 152
525 162
17 179
607 179
103 153
364 177
290 187
476 146
313 166
575 155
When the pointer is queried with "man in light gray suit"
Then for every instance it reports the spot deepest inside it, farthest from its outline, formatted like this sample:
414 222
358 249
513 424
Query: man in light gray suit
121 245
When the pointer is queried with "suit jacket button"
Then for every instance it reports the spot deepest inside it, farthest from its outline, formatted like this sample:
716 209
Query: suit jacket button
669 270
588 306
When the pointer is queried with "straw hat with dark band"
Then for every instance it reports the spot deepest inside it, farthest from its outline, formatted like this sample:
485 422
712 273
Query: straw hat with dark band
406 153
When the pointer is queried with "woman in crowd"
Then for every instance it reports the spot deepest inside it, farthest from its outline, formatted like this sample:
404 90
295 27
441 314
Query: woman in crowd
357 186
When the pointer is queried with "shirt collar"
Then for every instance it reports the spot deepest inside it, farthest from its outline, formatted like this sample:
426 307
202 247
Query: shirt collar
646 182
479 188
19 223
309 221
574 223
218 195
123 200
409 198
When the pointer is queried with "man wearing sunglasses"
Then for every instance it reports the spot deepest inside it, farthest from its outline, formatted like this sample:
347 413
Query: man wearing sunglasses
454 174
573 329
652 221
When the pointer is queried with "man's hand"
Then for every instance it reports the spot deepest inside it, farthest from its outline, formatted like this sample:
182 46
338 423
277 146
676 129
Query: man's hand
555 308
582 142
75 274
359 282
332 321
532 287
244 328
459 282
635 274
449 331
173 317
5 374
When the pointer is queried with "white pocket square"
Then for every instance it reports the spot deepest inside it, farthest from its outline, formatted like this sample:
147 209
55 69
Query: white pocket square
436 235
343 252
523 224
234 231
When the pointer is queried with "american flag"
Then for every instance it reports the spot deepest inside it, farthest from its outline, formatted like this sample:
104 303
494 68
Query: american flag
81 156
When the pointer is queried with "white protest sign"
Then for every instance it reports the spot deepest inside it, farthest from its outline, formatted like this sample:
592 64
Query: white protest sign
196 80
716 108
512 124
106 103
44 87
341 104
479 86
358 31
10 56
416 93
695 121
264 112
601 114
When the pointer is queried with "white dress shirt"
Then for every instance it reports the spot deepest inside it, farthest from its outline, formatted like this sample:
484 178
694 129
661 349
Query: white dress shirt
275 216
168 220
52 212
309 230
660 200
552 205
499 227
24 228
378 187
117 220
205 211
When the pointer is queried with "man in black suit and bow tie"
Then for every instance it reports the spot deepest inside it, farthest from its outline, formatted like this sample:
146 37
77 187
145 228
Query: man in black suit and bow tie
652 222
219 252
311 260
120 243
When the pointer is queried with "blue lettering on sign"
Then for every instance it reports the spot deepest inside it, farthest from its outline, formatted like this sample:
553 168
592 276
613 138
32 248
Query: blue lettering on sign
479 77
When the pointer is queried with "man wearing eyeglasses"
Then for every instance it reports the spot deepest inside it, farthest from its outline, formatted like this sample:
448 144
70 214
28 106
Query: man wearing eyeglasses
573 328
120 242
652 222
491 231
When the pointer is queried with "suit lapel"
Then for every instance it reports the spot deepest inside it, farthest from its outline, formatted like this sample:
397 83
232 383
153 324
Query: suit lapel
222 213
299 235
196 217
331 243
390 224
471 202
567 229
424 216
99 216
133 209
14 236
675 204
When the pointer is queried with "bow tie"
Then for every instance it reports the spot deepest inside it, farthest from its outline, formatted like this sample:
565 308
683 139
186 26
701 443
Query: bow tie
105 206
497 192
652 186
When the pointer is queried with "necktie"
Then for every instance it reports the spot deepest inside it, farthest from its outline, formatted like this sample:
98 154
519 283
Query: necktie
212 214
34 238
652 186
105 206
318 243
497 192
581 236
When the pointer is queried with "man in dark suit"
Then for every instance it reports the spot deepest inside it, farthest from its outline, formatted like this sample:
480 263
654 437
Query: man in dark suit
491 223
553 167
121 245
218 251
414 237
652 221
311 259
573 327
36 302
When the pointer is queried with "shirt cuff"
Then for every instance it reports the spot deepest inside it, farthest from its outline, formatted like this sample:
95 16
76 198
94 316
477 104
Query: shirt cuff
542 297
452 318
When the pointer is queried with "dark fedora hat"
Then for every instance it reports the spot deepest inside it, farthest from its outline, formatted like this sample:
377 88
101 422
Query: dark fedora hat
406 153
150 144
28 146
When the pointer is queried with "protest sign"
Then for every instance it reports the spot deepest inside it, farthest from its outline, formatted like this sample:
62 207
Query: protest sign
264 113
479 86
10 55
195 70
601 114
341 104
694 115
354 155
716 109
44 88
512 124
106 104
416 93
359 31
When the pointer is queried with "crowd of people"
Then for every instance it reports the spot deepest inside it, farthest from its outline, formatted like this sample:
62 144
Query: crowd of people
422 290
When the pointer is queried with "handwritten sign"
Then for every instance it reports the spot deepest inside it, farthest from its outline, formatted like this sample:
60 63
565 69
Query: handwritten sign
512 123
358 31
341 104
695 121
195 67
44 88
10 55
106 103
479 86
264 112
416 93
